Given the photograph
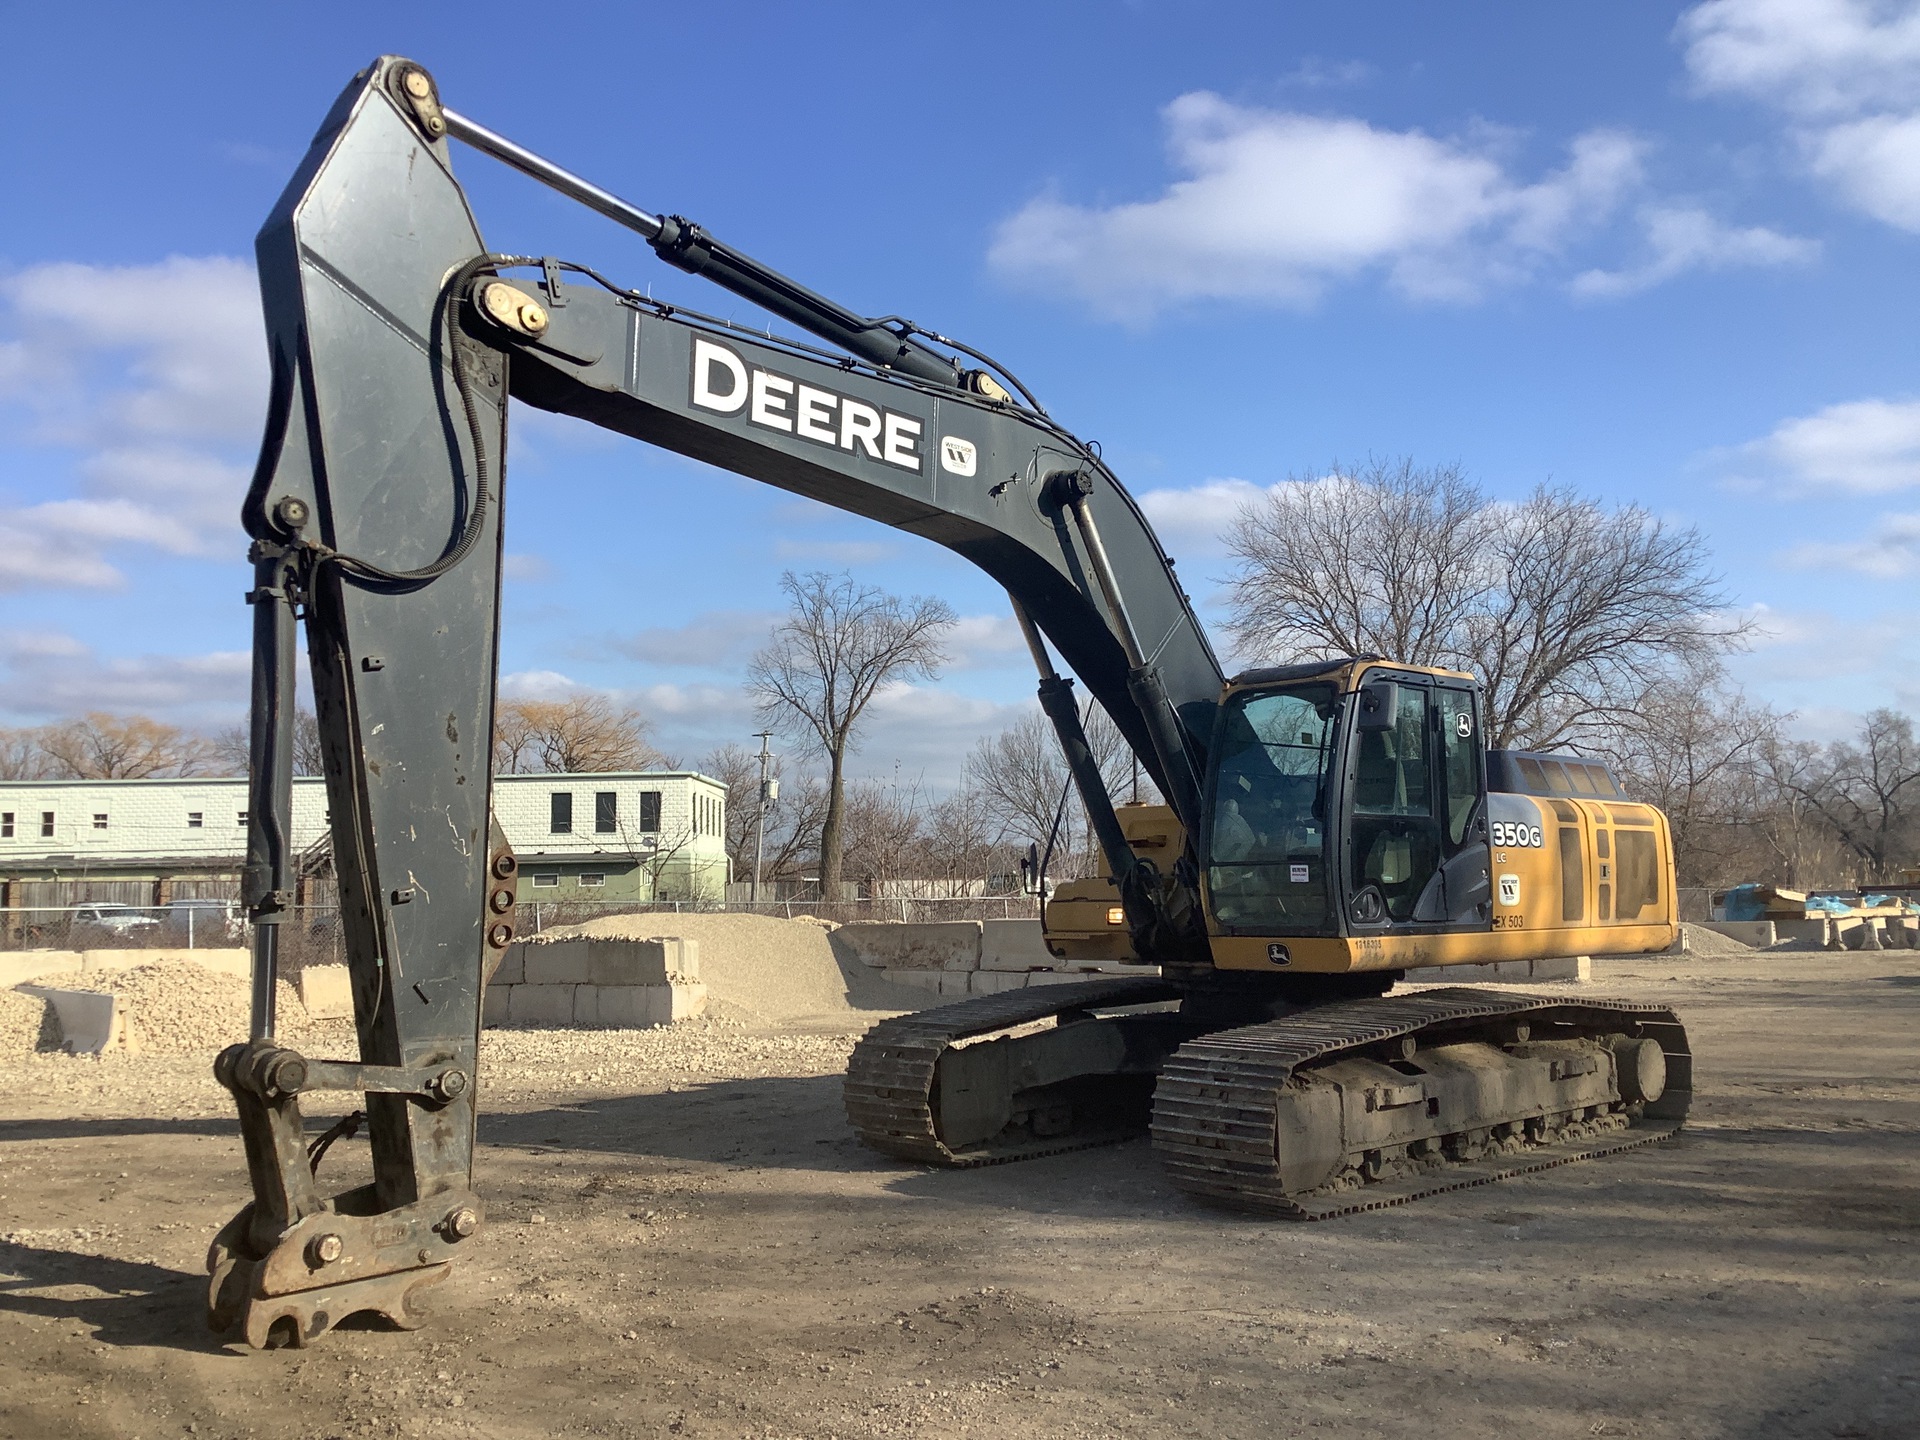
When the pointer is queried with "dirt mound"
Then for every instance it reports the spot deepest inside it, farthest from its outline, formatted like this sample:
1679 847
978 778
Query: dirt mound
765 970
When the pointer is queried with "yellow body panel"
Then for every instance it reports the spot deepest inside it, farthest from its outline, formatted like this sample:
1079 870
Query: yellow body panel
1537 913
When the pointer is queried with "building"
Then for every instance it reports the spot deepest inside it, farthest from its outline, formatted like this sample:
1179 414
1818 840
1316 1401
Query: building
630 836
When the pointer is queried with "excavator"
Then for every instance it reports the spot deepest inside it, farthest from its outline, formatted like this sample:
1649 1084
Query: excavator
1324 827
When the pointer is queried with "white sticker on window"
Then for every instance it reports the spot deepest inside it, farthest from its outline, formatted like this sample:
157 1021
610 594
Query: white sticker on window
1509 889
1297 874
957 456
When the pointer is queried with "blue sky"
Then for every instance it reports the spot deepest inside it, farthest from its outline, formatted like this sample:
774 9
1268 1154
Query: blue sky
1661 252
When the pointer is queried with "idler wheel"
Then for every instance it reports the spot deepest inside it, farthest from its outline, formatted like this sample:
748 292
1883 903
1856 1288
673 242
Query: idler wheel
1641 1069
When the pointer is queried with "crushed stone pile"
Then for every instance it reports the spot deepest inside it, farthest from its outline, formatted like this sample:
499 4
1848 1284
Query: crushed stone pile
762 970
1711 944
27 1024
173 1007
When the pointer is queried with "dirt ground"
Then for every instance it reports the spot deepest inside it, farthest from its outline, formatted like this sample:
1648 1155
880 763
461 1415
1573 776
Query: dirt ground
686 1241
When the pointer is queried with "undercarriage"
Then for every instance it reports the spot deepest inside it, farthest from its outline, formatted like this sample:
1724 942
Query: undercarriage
1325 1109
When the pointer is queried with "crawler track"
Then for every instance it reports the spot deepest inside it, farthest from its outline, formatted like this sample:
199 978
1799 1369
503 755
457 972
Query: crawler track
1214 1106
890 1076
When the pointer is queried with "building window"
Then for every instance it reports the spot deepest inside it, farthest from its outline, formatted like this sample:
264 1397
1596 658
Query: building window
6 825
606 812
593 881
46 824
545 881
241 819
561 822
196 820
649 812
99 821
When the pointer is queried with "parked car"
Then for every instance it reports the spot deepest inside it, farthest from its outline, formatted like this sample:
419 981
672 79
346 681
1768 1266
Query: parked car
205 922
119 921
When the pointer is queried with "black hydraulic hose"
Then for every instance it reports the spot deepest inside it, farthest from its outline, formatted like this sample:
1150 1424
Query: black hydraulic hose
463 383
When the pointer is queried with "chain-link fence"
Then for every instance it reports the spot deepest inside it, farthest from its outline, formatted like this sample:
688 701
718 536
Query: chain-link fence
311 934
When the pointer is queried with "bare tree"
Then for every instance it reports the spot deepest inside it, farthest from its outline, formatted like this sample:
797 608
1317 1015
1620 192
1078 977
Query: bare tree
1695 748
231 750
21 757
1868 791
98 746
579 735
1022 776
1566 611
1387 560
839 644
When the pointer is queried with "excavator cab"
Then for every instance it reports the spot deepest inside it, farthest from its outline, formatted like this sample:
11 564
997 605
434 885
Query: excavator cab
1347 799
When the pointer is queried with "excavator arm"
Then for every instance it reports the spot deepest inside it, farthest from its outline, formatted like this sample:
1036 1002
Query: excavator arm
396 338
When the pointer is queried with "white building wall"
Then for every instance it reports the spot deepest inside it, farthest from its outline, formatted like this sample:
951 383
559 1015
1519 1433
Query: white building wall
144 819
149 819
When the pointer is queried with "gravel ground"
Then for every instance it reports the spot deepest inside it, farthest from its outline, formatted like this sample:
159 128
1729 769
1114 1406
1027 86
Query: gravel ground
684 1240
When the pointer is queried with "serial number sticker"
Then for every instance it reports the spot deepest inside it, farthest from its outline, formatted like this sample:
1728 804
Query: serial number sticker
1509 889
1513 835
1509 922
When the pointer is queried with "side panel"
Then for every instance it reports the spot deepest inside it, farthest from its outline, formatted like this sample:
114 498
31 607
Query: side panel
1550 879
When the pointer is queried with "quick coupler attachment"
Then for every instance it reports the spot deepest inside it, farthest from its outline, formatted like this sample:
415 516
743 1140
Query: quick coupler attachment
293 1264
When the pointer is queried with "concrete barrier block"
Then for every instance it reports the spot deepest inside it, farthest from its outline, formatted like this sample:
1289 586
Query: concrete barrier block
562 962
1813 929
680 1000
512 969
548 1005
992 982
934 945
642 962
326 991
92 1023
1013 945
21 966
494 1005
921 979
1757 933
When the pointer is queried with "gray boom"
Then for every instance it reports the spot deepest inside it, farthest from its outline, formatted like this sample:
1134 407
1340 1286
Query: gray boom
375 512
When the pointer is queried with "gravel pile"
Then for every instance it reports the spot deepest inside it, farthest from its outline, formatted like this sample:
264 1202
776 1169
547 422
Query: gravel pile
1699 940
763 970
27 1023
173 1007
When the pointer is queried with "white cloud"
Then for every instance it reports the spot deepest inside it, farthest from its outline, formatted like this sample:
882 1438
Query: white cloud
983 642
1813 57
1684 237
156 376
46 674
1860 447
1192 520
1845 74
1889 550
539 685
1876 165
1276 206
714 639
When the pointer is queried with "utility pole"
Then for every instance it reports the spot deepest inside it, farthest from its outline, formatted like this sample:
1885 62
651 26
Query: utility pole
769 792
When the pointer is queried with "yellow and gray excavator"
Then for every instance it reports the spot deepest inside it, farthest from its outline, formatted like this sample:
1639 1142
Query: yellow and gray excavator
1326 827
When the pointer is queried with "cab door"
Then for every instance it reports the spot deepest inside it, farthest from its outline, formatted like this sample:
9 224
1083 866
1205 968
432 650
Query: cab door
1465 872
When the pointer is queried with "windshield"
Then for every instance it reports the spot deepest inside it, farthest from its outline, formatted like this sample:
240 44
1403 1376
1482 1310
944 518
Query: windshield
1266 861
